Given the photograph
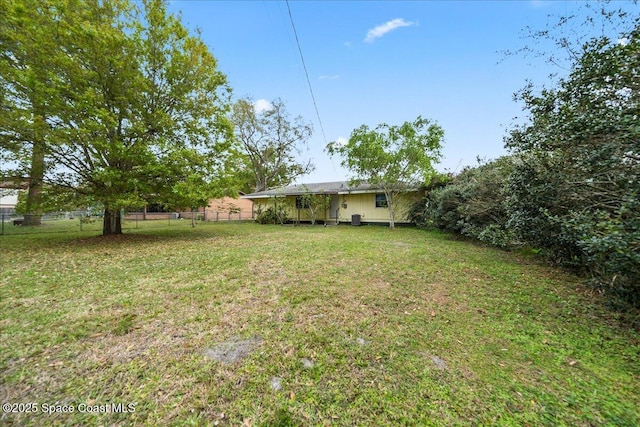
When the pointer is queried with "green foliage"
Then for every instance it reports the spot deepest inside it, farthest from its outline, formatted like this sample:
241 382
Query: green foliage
611 242
570 189
314 203
270 145
394 158
278 213
281 418
442 208
28 76
268 216
54 200
536 198
472 203
420 212
575 193
124 324
131 108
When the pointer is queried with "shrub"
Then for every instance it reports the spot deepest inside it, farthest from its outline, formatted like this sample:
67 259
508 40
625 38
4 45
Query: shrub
471 204
273 215
611 244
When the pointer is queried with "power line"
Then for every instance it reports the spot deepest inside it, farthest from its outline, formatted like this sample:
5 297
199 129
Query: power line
295 33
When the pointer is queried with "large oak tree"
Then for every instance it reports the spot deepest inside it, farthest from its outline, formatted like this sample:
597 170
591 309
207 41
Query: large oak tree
27 96
134 106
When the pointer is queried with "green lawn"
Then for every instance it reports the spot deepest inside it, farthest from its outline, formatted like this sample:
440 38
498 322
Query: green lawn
90 225
395 328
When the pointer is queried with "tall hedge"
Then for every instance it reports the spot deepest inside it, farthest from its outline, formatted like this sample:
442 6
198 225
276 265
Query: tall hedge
571 187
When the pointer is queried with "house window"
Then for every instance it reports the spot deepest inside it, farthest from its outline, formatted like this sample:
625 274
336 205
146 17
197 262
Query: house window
302 202
381 201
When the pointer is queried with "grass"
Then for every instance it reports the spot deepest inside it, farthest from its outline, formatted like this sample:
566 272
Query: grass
87 225
402 328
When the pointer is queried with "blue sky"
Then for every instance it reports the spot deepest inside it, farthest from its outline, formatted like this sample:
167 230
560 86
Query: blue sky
439 59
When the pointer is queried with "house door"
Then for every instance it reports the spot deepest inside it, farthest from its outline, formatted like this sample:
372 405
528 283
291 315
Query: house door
334 207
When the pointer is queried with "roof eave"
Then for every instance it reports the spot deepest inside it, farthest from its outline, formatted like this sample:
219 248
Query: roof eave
375 190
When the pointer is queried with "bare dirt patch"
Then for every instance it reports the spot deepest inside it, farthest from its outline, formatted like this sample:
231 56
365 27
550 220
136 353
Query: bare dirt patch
233 349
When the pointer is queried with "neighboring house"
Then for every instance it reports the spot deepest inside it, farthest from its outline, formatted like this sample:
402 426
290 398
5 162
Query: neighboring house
9 196
365 200
228 208
8 201
223 209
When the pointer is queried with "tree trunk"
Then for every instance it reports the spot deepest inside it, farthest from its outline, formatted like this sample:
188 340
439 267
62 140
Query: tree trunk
34 196
392 224
261 184
112 223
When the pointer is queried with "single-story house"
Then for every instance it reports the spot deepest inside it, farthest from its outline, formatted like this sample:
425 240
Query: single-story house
344 202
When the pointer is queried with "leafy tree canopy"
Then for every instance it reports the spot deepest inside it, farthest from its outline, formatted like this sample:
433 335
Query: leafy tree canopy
128 109
394 158
271 143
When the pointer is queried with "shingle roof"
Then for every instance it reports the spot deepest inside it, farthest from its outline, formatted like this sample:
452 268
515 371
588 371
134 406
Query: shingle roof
15 184
336 187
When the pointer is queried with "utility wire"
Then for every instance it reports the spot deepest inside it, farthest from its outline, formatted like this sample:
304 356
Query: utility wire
295 33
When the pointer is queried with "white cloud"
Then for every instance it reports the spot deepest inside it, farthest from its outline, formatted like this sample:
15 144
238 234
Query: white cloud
341 141
623 41
383 29
330 77
262 105
537 4
347 44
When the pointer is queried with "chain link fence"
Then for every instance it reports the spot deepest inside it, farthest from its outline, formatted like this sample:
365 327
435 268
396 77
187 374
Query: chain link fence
84 221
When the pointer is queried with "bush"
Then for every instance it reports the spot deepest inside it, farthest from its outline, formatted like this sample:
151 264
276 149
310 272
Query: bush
611 243
537 199
273 215
575 193
471 204
496 235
